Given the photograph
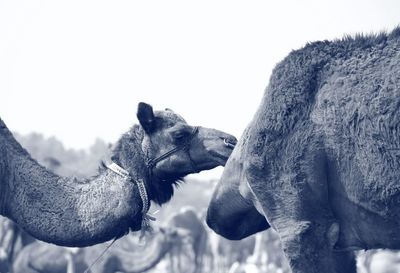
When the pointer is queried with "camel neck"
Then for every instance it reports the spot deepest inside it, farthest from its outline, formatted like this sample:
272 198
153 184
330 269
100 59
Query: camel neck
129 156
139 183
72 212
64 210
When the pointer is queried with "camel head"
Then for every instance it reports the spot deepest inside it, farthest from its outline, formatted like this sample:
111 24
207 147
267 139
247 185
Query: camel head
234 212
174 149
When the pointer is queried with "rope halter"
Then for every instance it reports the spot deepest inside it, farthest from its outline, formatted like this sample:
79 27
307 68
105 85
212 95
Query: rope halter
146 218
185 146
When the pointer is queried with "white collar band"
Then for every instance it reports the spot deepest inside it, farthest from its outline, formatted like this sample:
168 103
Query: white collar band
142 191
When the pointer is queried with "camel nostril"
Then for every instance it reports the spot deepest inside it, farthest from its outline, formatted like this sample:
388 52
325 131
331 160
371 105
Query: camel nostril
230 142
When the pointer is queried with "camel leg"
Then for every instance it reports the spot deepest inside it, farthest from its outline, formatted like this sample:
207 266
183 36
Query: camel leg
307 228
309 250
70 262
171 261
179 265
294 194
195 256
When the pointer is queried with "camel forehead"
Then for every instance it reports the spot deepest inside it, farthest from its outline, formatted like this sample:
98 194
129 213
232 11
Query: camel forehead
168 118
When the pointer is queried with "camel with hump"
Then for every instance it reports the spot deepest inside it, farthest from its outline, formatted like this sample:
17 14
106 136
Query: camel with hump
147 162
320 161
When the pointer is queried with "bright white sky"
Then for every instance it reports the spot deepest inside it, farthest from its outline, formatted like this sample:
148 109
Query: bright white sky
76 69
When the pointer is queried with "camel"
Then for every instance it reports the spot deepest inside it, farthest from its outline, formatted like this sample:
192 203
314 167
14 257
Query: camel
187 219
129 256
230 251
226 252
320 160
268 254
126 255
147 162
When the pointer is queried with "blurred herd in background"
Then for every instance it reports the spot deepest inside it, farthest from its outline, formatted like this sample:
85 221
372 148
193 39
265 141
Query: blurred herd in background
181 241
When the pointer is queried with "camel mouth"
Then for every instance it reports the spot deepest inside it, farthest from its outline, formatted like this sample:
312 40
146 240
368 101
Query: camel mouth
220 158
222 154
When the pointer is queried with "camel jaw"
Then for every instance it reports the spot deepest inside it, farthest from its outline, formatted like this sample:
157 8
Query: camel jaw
219 158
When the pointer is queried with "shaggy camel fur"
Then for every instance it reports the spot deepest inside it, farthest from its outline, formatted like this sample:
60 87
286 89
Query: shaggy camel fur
321 158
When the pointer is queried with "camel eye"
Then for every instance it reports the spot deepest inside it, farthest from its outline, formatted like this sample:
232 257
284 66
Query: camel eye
181 133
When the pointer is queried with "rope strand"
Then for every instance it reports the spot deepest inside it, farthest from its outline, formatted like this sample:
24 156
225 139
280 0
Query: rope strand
100 256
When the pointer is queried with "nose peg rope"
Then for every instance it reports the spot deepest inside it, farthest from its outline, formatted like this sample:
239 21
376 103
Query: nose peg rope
228 144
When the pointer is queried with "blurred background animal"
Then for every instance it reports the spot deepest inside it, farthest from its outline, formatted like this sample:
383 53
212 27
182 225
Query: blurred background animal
187 219
125 255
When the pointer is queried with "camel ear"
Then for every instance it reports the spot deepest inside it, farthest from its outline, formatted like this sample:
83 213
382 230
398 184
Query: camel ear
145 116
